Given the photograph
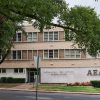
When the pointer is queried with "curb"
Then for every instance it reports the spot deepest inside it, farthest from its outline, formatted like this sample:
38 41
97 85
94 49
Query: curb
28 90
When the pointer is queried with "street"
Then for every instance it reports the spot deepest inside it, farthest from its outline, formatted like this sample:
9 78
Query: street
21 95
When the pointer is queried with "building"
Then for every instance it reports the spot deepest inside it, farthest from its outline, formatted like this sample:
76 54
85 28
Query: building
61 61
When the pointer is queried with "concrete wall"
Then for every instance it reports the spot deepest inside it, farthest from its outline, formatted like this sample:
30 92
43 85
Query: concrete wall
69 75
10 73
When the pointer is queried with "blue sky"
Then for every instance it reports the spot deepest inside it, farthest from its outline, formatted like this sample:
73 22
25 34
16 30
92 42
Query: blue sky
90 3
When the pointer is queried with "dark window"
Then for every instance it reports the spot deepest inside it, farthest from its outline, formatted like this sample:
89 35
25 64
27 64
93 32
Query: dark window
50 53
3 70
16 54
21 70
17 37
16 70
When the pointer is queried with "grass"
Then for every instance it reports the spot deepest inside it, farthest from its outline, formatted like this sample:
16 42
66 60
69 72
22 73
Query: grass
57 87
54 87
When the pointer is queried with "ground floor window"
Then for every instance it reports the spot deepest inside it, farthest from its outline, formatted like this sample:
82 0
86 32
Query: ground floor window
2 70
18 70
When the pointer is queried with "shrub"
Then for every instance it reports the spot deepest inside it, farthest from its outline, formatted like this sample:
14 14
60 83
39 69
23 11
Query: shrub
95 83
19 80
9 80
12 80
79 84
3 80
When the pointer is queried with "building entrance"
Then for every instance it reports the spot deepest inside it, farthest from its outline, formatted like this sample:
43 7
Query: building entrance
31 72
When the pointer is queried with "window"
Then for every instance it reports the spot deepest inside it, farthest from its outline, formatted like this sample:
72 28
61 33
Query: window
31 36
50 54
16 54
18 37
50 36
71 53
18 70
2 70
45 36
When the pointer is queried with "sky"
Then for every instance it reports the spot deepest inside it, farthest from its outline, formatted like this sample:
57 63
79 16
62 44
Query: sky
90 3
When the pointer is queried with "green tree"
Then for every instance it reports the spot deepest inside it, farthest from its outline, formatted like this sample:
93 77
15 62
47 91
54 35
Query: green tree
87 23
82 21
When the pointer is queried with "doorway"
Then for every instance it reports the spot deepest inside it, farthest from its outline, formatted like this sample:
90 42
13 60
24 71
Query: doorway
31 75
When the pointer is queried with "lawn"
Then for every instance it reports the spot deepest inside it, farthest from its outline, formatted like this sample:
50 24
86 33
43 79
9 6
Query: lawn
56 87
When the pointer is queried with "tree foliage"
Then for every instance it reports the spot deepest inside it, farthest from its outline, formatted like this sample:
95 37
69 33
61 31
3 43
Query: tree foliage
83 22
86 21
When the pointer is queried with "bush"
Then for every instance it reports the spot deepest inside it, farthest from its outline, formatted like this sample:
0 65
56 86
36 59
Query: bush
12 80
79 84
3 80
95 83
19 80
9 79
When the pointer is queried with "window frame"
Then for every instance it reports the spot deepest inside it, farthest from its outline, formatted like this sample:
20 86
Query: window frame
16 55
48 36
17 70
32 37
16 38
3 71
69 54
53 54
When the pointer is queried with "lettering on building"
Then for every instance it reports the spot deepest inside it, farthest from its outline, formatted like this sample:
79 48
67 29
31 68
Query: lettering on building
93 73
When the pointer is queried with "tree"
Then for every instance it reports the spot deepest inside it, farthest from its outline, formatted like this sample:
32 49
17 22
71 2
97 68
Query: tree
82 21
86 21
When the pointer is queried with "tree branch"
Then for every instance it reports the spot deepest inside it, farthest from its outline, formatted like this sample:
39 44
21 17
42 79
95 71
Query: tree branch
3 57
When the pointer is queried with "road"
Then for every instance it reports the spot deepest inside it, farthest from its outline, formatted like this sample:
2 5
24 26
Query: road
21 95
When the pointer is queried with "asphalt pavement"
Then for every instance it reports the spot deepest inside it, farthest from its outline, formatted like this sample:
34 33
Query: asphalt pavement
25 95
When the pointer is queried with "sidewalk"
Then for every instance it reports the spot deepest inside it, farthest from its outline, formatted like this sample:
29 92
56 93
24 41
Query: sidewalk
29 86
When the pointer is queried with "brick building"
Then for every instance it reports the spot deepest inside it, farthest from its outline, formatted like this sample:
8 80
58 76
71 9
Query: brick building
61 61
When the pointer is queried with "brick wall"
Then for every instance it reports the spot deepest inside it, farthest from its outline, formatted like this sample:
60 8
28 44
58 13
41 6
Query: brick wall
61 36
61 54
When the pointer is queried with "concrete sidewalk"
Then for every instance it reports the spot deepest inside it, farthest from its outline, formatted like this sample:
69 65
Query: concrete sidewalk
29 86
24 86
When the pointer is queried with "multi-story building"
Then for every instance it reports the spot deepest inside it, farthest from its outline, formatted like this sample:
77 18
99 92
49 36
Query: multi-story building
61 61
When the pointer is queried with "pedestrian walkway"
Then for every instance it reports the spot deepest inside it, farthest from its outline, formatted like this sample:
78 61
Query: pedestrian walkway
25 86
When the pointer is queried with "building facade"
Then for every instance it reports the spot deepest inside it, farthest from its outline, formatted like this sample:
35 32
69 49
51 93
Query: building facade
61 61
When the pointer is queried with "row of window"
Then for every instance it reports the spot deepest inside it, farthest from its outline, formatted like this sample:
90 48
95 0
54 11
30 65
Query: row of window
33 36
16 70
50 54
